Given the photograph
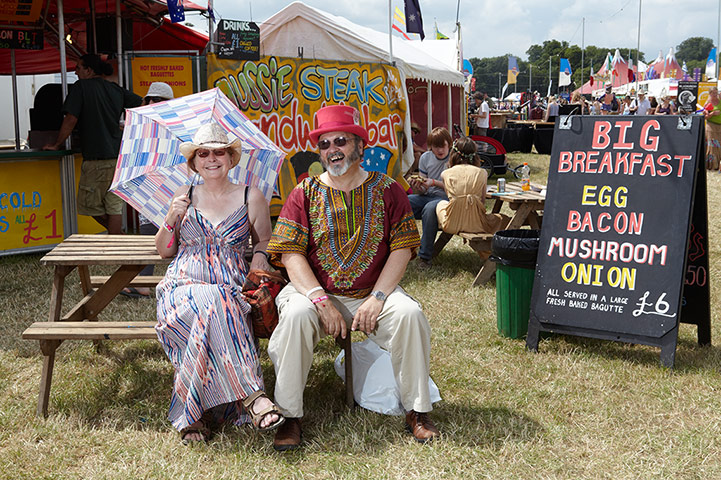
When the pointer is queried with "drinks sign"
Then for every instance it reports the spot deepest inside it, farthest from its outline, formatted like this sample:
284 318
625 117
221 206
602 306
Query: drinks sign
238 40
612 258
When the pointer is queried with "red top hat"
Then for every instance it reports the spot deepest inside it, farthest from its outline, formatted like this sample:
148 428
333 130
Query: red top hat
338 118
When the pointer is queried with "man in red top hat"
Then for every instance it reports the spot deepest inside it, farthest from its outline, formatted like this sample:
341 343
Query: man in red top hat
345 238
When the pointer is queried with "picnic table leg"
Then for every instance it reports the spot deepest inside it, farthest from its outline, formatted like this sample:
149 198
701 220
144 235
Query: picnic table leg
485 273
90 306
441 242
84 274
519 218
56 294
497 206
48 348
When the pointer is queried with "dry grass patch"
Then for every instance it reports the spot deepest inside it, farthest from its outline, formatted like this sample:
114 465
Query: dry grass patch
579 409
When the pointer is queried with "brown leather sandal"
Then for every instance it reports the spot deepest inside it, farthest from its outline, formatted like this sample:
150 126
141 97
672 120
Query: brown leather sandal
201 430
257 417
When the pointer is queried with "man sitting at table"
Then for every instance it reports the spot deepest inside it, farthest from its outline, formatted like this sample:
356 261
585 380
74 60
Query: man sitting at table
345 238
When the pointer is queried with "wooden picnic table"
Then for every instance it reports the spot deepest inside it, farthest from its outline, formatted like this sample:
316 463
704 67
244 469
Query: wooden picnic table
527 209
130 253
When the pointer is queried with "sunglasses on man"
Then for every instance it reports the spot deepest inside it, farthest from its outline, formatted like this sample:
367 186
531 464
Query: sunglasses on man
337 141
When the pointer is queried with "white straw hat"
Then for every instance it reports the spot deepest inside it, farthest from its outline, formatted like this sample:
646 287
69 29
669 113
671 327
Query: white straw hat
160 89
211 136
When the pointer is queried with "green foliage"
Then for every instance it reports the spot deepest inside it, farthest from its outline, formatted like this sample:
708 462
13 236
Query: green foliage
534 72
694 48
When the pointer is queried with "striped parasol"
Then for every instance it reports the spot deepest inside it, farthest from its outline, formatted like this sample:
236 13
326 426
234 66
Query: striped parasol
150 167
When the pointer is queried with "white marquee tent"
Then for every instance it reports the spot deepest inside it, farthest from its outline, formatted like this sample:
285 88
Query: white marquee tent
301 30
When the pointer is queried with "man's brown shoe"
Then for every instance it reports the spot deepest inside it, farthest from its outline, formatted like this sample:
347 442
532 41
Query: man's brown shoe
288 436
421 426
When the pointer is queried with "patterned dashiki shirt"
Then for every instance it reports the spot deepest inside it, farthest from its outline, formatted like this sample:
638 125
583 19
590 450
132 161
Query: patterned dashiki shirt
346 237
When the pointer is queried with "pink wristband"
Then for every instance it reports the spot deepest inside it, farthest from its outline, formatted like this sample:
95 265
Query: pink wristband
319 299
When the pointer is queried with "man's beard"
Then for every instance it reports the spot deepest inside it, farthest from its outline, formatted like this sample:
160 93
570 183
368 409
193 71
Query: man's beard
339 169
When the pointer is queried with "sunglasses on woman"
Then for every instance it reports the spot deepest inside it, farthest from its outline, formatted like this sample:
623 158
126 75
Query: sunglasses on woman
337 141
216 153
149 100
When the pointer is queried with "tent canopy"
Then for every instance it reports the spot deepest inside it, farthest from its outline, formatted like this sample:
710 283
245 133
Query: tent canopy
321 35
150 31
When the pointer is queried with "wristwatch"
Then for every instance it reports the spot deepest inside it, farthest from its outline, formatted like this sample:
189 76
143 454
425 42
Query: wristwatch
379 295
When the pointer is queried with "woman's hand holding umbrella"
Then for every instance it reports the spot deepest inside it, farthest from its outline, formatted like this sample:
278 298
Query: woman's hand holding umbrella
178 206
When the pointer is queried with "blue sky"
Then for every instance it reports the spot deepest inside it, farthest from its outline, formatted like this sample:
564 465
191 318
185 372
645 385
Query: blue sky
497 27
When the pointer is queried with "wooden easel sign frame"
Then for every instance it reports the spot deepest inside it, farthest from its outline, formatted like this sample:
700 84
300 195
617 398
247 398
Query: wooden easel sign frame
624 246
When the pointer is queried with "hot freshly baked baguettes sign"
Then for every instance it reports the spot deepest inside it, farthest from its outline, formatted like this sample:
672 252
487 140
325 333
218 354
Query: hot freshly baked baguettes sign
611 260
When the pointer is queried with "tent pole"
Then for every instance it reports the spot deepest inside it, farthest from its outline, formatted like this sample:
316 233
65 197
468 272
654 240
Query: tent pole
429 106
119 38
211 44
16 116
450 110
638 44
390 30
583 45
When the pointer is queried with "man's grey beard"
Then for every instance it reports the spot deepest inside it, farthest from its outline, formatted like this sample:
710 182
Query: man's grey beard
340 169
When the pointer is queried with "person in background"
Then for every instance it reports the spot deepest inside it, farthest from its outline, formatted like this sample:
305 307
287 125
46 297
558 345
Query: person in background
428 190
666 107
95 105
203 320
345 237
712 114
578 100
641 105
609 102
157 92
465 182
653 105
626 106
552 110
482 115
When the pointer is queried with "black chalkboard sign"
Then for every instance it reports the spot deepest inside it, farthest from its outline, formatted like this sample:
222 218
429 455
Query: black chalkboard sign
23 39
614 243
238 40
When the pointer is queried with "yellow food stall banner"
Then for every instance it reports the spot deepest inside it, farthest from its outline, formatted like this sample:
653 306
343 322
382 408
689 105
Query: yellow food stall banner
31 204
281 95
703 89
175 71
20 10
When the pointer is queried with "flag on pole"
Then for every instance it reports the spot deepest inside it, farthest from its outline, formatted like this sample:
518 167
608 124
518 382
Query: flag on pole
503 92
176 11
564 74
439 35
711 64
631 74
512 70
414 21
590 79
399 23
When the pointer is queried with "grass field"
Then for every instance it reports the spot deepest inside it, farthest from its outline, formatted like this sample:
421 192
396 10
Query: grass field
579 409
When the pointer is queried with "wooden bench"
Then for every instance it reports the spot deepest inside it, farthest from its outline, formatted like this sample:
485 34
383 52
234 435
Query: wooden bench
480 243
52 334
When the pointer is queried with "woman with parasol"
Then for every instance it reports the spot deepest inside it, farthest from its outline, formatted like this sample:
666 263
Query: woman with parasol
201 311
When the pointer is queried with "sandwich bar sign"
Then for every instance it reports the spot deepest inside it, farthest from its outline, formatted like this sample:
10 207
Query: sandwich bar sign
614 254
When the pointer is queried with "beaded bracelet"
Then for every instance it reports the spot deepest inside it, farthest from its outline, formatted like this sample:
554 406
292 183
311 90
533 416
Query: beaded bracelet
322 298
312 291
267 257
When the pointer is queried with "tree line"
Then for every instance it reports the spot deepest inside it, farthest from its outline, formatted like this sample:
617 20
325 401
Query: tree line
490 72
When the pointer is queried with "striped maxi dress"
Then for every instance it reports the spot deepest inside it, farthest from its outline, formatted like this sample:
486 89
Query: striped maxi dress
202 321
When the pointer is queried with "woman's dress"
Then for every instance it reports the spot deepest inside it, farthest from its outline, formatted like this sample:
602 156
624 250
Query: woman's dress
202 320
466 211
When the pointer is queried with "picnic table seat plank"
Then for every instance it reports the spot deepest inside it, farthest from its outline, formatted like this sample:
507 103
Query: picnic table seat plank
90 331
149 281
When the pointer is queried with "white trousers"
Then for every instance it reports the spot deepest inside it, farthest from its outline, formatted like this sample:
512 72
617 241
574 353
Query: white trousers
402 330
